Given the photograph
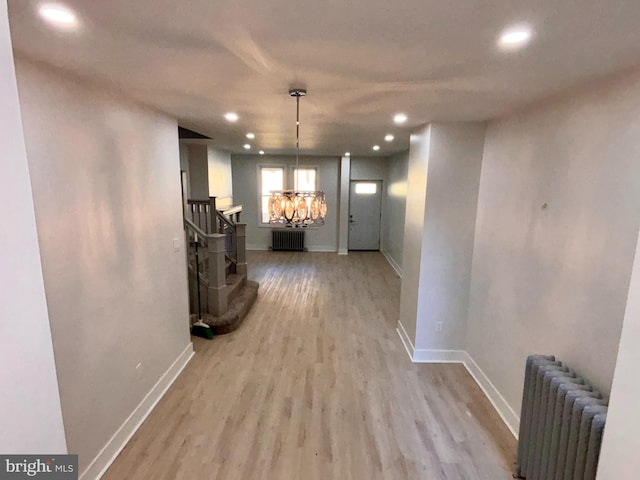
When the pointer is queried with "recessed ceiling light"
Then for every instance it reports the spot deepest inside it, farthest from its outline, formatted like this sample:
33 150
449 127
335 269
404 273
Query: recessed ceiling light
347 154
251 136
247 146
261 152
231 117
389 138
376 147
399 118
515 37
58 14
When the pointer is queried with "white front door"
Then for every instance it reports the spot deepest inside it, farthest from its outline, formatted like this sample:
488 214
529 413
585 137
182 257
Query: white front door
365 200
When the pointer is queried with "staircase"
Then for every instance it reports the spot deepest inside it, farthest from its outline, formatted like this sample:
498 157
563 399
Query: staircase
225 293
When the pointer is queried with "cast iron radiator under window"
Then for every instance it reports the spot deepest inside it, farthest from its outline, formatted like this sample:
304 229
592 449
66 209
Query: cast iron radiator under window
287 240
561 424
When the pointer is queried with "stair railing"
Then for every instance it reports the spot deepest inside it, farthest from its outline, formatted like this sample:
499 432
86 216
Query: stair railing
199 212
212 265
222 222
227 222
222 243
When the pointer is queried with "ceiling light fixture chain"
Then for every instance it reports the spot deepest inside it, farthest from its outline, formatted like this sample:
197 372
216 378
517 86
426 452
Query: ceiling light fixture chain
297 129
297 208
297 92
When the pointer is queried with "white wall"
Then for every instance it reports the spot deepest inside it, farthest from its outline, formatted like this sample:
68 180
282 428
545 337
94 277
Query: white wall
455 158
555 280
245 188
413 231
30 414
443 179
106 183
343 200
394 209
220 181
619 456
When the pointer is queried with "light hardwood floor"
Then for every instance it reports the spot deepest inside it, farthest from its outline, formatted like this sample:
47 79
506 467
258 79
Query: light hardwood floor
317 385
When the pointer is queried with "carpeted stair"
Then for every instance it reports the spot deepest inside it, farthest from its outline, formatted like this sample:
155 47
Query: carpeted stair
239 306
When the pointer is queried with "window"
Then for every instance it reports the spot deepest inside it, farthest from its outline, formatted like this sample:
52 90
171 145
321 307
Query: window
273 178
304 179
366 188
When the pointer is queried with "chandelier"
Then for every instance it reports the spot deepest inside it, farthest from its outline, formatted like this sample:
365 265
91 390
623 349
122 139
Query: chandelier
297 208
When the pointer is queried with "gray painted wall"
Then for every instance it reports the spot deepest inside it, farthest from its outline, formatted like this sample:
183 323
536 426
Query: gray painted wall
184 166
199 172
184 157
106 186
373 168
30 413
245 187
394 208
369 168
555 280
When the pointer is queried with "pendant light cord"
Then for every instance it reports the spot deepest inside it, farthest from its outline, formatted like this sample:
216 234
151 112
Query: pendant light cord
297 129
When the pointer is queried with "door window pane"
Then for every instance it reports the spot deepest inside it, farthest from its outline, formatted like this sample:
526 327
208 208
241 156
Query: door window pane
366 188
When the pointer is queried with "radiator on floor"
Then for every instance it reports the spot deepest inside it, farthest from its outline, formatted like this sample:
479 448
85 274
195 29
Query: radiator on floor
561 423
287 239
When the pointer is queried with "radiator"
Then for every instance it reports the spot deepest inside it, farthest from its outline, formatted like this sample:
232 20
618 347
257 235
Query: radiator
287 240
561 423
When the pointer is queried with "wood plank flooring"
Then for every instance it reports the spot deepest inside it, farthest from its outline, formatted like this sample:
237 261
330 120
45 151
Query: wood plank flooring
316 385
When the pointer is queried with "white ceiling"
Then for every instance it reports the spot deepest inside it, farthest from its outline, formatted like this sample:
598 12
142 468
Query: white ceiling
361 61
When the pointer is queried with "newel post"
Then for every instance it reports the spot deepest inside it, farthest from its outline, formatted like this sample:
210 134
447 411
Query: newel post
217 297
212 215
241 248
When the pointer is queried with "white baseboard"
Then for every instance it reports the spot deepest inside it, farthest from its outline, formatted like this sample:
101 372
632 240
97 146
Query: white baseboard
392 262
257 248
406 341
314 248
438 356
428 356
509 417
322 248
343 251
114 446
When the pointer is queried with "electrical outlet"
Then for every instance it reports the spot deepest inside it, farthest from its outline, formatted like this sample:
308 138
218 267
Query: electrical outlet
176 244
438 326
